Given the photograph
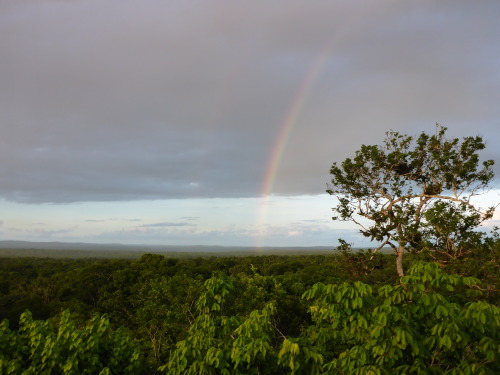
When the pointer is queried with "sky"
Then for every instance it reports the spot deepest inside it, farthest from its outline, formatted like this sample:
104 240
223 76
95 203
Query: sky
210 122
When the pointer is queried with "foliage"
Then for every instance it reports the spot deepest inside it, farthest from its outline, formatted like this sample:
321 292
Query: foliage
243 315
219 343
416 326
422 324
415 193
48 286
484 264
50 347
361 263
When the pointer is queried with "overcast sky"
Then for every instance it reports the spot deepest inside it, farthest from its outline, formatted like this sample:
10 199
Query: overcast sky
166 121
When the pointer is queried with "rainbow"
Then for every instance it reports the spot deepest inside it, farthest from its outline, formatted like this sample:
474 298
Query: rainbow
293 113
287 124
286 127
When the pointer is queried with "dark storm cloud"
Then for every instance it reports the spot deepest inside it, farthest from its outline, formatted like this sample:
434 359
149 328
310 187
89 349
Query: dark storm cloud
127 100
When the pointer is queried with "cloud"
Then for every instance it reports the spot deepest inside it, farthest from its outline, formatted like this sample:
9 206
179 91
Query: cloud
45 234
167 224
111 219
153 100
316 221
231 235
190 218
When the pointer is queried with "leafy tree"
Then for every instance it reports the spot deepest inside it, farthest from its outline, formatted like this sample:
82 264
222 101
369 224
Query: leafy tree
415 193
50 347
420 325
428 322
161 313
222 342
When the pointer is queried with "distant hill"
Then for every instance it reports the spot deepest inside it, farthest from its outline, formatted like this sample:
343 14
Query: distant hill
62 246
93 250
92 246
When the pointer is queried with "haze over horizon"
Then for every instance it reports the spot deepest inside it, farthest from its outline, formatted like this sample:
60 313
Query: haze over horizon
216 122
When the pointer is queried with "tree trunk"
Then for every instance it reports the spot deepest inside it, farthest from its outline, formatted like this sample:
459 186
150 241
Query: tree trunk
399 260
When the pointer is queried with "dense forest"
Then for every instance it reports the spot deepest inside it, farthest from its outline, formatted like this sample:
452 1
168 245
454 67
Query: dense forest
342 313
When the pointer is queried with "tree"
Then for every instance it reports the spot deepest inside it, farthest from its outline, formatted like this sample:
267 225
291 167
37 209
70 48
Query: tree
415 193
430 322
59 346
427 322
219 342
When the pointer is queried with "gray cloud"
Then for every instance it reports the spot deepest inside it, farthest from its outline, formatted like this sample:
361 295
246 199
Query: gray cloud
168 224
134 100
111 219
